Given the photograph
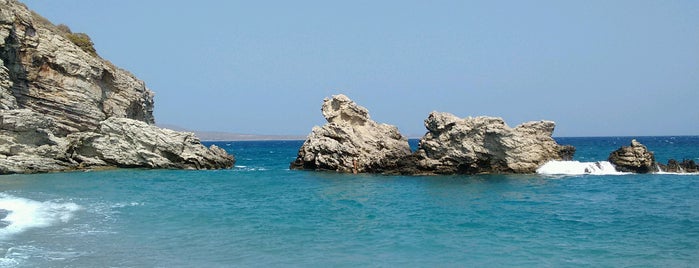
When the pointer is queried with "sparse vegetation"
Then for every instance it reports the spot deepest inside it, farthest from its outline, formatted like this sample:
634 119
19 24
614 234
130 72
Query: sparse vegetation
40 19
83 41
63 28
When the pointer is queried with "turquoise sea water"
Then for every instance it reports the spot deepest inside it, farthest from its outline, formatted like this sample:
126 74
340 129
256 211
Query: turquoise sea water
262 214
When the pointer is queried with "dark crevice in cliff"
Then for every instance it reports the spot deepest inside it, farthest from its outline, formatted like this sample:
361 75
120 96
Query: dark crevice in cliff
10 55
135 111
106 85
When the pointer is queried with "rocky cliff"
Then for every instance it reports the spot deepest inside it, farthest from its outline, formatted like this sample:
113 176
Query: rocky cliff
351 142
53 91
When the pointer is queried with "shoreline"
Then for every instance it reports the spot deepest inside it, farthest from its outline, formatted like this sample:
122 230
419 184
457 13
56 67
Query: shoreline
252 137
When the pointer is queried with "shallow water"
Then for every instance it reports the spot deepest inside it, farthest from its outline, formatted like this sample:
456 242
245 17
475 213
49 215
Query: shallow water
262 214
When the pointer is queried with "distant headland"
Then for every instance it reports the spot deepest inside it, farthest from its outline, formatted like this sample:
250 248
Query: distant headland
228 136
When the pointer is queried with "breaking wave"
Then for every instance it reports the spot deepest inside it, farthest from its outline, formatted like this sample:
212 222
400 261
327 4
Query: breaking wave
19 214
578 168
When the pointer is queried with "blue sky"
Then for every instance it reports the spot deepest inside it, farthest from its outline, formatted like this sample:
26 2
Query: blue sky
596 68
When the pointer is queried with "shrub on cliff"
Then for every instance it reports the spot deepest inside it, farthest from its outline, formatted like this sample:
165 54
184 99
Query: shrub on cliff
83 41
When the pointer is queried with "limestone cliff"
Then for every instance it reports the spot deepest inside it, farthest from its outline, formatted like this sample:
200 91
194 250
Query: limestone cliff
51 89
44 71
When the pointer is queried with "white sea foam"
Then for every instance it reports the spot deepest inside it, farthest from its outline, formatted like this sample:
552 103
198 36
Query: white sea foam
23 214
247 168
676 173
578 168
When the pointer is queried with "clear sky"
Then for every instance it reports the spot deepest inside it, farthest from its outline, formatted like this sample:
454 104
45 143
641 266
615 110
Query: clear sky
596 68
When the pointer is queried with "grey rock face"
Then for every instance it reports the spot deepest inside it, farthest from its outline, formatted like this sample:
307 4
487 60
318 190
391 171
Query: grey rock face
351 141
633 158
454 145
126 142
44 71
684 166
62 108
27 145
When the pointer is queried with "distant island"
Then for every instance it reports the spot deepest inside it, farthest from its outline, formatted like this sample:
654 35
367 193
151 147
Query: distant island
228 136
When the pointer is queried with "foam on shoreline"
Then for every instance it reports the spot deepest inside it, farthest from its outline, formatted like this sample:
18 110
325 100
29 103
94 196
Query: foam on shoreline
20 214
578 168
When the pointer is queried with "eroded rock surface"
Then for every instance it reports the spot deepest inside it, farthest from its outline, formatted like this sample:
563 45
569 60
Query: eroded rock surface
351 141
456 145
684 166
63 107
27 145
44 71
633 158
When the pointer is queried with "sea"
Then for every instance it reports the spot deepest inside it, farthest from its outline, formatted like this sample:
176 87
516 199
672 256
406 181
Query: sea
261 214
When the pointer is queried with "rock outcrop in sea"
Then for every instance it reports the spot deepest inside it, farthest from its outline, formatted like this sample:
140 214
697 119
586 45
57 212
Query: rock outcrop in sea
351 142
636 158
483 144
684 166
633 158
62 107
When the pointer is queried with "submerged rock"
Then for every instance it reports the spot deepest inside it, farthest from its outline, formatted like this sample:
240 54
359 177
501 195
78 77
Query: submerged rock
351 141
633 158
454 145
63 107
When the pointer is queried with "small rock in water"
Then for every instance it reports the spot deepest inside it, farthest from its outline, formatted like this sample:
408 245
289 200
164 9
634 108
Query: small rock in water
633 158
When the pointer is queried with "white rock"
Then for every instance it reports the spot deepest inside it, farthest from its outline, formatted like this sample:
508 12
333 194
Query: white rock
351 141
485 145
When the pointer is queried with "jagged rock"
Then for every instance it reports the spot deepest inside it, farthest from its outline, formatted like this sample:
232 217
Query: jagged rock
45 72
633 158
686 166
351 141
64 108
454 145
27 145
126 142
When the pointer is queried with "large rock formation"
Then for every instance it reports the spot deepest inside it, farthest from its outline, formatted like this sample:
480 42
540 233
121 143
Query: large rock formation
351 141
454 145
633 158
27 145
54 93
44 71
